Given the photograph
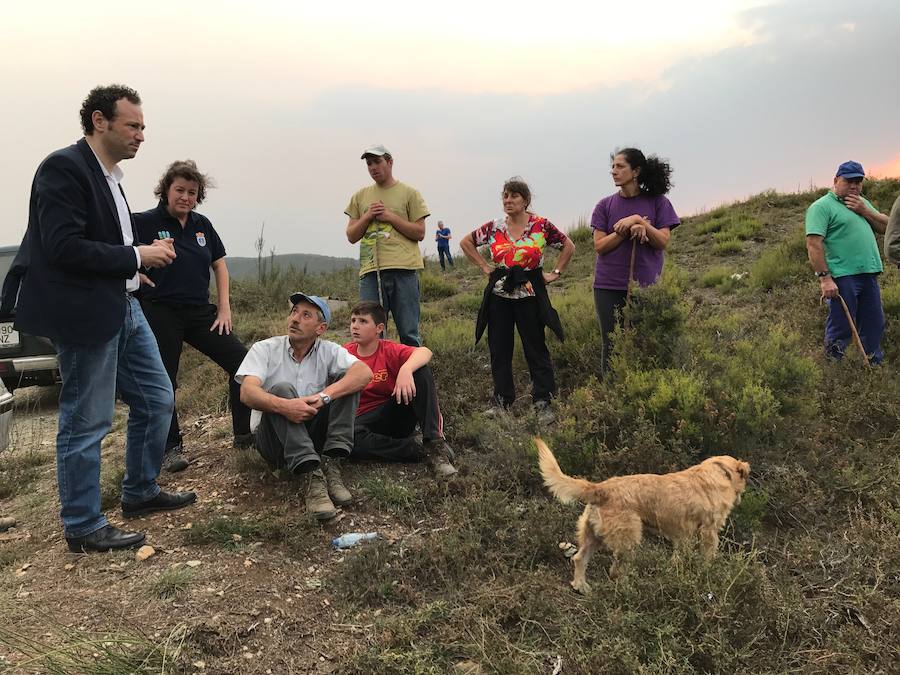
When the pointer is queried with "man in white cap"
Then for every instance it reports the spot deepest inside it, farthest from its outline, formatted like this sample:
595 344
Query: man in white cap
304 392
388 219
843 252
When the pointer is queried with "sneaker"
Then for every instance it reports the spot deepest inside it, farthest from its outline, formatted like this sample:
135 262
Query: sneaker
243 441
439 454
339 493
544 413
318 504
173 460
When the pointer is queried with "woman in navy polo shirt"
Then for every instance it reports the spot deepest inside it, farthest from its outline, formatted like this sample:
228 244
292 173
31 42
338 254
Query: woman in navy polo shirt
176 299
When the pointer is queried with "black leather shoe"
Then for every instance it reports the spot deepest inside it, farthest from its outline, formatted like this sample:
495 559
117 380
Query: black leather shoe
164 501
106 538
243 441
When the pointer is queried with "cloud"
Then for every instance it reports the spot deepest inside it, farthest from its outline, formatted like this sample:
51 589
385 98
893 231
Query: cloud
778 110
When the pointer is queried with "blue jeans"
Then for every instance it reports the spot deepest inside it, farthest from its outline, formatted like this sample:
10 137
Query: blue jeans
400 298
91 375
444 252
863 298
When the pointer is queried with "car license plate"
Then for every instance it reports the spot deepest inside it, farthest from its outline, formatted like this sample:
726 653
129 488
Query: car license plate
9 336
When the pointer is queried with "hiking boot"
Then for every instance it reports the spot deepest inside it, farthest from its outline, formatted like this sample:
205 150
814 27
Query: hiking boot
6 523
544 413
439 456
318 504
496 411
173 460
243 441
340 495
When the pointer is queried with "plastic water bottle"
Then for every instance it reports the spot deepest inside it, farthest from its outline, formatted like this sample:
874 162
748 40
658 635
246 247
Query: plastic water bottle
353 538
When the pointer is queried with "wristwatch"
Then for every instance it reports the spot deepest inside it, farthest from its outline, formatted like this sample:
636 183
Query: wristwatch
822 275
326 399
557 272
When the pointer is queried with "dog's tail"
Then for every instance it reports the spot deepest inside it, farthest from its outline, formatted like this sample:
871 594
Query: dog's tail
565 488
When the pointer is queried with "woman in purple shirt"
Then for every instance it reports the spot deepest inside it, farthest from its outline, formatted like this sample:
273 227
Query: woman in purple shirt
638 215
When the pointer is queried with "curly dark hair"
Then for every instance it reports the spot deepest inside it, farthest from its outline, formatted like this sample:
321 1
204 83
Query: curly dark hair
104 99
517 185
186 169
655 176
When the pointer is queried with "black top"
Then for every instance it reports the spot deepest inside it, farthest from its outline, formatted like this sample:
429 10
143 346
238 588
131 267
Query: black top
197 246
513 277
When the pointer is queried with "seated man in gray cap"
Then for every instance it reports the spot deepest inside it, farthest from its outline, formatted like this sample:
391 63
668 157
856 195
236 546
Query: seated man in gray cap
304 392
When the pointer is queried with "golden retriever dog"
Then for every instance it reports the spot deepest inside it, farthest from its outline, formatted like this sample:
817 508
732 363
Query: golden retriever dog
685 507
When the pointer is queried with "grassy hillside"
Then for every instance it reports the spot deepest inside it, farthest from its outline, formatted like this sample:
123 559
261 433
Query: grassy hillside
724 357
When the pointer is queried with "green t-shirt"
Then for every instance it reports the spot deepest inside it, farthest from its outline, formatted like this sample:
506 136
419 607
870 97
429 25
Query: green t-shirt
383 247
850 246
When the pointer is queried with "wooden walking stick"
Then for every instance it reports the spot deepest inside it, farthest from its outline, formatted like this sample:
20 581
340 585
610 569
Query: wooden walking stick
853 330
630 275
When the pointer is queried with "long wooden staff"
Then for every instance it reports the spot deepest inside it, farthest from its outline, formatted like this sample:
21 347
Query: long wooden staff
853 330
630 275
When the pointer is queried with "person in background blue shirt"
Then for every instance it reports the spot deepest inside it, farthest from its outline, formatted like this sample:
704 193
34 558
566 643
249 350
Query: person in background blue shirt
442 237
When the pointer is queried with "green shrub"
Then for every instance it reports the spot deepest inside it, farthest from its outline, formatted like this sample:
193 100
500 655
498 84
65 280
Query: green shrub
468 304
675 400
656 316
434 287
715 276
782 264
582 235
728 246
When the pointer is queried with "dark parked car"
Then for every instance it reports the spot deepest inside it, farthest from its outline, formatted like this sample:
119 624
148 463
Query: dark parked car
24 359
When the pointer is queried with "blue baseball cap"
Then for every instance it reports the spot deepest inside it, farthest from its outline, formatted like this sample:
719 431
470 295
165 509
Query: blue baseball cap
313 300
850 170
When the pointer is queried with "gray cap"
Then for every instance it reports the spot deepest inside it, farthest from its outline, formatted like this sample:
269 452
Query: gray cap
376 150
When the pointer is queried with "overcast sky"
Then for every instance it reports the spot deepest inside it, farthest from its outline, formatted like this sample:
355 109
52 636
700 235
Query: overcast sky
276 100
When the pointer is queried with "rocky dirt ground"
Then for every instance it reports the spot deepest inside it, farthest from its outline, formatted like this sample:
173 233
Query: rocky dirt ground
213 598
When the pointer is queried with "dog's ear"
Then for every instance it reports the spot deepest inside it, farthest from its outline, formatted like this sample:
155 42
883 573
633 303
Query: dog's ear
743 470
724 469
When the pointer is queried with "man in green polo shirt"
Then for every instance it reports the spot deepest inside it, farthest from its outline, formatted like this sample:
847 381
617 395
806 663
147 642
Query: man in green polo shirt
840 241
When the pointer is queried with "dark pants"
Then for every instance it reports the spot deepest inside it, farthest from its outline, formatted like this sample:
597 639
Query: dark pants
863 298
445 252
297 445
609 305
386 433
173 325
503 317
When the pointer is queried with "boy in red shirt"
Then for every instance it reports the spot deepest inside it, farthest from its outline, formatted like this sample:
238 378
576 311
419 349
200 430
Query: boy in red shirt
400 396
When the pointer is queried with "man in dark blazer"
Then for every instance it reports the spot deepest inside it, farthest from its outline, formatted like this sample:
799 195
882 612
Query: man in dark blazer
77 290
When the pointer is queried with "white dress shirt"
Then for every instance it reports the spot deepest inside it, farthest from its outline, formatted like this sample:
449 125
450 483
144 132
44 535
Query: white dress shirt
113 182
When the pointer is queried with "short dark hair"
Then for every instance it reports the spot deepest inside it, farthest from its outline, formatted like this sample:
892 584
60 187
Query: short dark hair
104 99
655 176
517 185
372 309
186 169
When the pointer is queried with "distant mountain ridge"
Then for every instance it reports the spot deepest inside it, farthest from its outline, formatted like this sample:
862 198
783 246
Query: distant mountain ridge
311 263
